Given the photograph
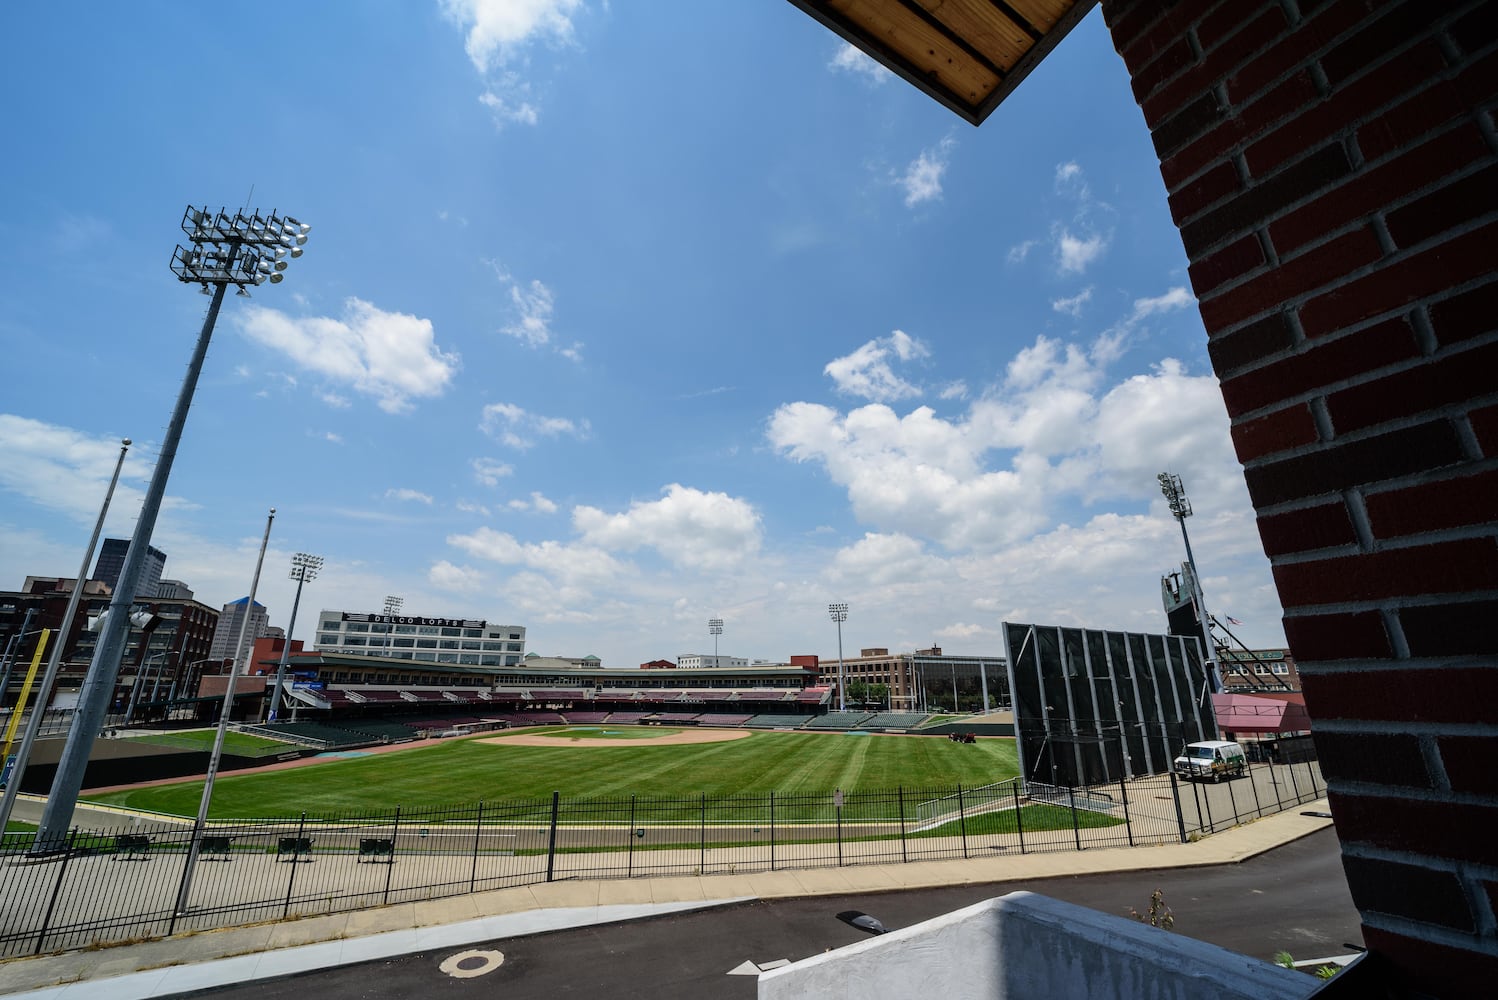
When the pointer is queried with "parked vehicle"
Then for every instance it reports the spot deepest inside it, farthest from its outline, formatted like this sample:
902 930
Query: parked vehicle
1213 759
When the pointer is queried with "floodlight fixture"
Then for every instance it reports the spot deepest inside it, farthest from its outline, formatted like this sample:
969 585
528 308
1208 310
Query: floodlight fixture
839 614
715 629
393 606
1175 495
1180 509
304 568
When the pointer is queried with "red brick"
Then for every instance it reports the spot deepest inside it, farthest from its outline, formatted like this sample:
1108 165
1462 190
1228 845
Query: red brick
1241 125
1236 22
1442 568
1294 51
1404 281
1470 314
1462 629
1232 261
1321 364
1250 344
1485 425
1357 100
1344 465
1468 762
1217 60
1267 198
1422 968
1371 190
1452 830
1412 694
1166 63
1429 895
1377 37
1302 275
1446 208
1450 503
1141 29
1322 527
1431 386
1208 189
1357 636
1200 115
1409 120
1284 429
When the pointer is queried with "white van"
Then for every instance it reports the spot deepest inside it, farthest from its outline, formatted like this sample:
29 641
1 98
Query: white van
1211 759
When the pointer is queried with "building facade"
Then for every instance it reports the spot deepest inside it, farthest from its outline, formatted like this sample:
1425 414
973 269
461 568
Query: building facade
1245 671
926 680
112 559
231 622
458 641
693 661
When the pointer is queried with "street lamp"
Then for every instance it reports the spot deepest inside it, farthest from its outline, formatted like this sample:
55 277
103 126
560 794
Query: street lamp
1180 509
715 629
242 249
138 683
303 568
393 606
839 613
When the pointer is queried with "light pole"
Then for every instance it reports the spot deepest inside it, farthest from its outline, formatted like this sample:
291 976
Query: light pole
138 683
13 651
715 628
303 568
54 663
223 726
839 613
239 249
393 606
1180 509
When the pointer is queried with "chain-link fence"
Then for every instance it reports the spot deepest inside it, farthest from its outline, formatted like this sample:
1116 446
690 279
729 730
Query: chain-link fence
158 876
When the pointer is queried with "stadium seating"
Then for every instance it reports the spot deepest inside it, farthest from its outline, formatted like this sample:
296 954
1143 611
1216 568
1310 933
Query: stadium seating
763 696
674 717
586 718
536 719
625 718
839 720
765 720
895 720
723 720
560 694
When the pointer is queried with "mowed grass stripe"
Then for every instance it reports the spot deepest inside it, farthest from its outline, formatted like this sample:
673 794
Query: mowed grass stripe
464 772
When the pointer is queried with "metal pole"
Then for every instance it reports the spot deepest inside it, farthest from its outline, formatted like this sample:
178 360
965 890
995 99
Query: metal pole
296 856
98 683
13 650
1175 793
223 722
395 832
551 847
1019 821
275 698
904 856
478 826
1123 794
1075 830
962 820
842 704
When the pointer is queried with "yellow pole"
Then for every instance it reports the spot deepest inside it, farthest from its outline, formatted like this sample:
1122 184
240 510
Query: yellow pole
15 713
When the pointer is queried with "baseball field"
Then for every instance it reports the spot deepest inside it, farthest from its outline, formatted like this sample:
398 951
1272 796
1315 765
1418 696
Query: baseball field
588 762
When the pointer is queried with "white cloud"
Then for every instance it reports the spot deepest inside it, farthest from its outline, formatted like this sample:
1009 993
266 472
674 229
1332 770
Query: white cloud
518 428
537 503
408 495
66 470
469 507
867 373
575 564
954 390
1020 251
1074 253
392 357
1071 181
1072 306
509 110
689 527
850 59
489 471
332 437
922 178
1175 298
334 400
461 579
535 304
498 29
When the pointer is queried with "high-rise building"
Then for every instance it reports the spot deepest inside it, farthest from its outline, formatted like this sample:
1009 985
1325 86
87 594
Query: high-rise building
230 621
464 641
174 590
112 559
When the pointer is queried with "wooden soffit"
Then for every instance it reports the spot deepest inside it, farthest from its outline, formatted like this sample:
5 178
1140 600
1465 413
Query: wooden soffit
968 54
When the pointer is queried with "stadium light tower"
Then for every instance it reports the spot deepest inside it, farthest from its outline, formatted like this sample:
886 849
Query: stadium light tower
839 613
303 570
244 248
1180 509
393 606
715 629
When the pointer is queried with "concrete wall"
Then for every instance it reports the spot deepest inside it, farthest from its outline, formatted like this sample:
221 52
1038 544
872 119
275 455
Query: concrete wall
1025 946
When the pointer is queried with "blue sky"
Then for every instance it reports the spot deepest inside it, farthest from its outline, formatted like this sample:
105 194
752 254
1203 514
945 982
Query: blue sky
613 318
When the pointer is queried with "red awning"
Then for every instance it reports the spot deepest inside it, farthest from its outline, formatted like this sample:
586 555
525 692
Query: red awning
1243 713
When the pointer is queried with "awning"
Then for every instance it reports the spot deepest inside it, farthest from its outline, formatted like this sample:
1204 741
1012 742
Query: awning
1243 713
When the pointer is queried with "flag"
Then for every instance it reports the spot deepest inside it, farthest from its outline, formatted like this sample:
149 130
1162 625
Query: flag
1232 620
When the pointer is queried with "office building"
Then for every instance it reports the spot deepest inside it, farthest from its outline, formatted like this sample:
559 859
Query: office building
112 559
460 641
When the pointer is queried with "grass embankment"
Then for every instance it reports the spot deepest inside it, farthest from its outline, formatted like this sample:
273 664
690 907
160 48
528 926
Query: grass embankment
236 744
466 771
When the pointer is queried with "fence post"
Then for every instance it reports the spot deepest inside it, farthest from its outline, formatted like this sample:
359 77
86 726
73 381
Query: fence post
478 825
1207 798
1233 800
179 907
395 832
630 873
1076 832
1253 783
962 820
551 843
1274 781
1175 793
301 830
837 805
772 831
1310 770
1294 784
1123 793
904 857
67 855
1019 822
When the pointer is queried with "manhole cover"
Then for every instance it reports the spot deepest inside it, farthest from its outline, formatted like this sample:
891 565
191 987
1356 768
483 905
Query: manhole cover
471 964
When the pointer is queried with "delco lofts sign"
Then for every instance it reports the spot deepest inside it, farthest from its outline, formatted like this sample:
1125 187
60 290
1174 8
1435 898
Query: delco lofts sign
414 620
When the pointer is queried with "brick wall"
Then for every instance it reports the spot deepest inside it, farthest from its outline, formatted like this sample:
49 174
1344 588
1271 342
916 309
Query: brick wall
1333 169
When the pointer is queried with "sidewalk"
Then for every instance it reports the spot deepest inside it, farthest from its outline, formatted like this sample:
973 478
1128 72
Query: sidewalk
240 954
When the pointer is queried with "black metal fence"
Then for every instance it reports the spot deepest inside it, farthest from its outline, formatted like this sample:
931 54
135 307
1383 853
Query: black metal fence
144 879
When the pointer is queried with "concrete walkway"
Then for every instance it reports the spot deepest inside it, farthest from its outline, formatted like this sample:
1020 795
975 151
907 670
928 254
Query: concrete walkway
240 954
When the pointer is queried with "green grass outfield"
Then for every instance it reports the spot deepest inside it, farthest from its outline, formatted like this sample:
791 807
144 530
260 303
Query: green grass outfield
463 772
238 744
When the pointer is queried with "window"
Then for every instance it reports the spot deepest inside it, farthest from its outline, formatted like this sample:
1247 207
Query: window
1281 669
472 633
514 635
327 637
452 631
353 627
